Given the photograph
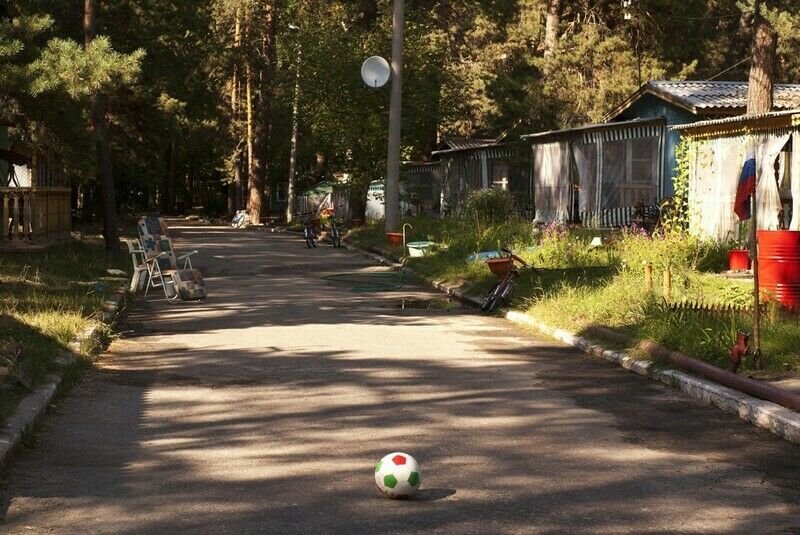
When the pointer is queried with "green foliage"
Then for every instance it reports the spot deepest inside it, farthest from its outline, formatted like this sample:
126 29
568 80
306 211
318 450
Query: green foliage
561 248
674 249
489 206
82 72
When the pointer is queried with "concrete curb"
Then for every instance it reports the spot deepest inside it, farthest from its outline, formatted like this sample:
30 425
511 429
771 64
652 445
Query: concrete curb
779 420
33 406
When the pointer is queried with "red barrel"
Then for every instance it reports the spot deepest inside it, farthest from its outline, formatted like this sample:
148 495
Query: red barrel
738 259
779 266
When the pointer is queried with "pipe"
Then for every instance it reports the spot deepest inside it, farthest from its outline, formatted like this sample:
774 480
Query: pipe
404 234
759 389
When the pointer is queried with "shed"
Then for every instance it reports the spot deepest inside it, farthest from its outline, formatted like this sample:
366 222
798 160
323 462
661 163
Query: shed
597 174
421 187
718 152
482 165
683 102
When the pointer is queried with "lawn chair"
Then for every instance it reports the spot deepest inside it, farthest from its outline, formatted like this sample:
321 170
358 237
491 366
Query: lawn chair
163 271
151 226
139 260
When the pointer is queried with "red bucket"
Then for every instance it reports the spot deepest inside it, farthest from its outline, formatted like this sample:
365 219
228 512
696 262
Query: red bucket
779 266
395 238
738 259
499 266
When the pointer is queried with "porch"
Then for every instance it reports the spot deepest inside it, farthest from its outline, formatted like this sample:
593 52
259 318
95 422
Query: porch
34 215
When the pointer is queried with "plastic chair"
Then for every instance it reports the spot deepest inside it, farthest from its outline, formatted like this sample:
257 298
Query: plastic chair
139 260
162 265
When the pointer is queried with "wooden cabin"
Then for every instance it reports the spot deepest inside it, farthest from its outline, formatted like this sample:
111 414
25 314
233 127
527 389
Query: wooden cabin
34 195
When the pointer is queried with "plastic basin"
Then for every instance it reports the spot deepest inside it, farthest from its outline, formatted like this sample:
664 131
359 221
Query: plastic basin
499 266
485 255
418 248
395 238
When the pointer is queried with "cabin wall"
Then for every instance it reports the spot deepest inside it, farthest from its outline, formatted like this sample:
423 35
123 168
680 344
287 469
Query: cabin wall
650 106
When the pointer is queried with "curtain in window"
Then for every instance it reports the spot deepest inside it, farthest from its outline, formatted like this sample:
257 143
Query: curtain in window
551 181
769 197
585 158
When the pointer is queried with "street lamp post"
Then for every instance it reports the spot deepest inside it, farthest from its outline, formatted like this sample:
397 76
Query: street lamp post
295 113
392 185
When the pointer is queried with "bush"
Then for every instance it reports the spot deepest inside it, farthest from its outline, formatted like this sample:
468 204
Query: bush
561 247
489 206
676 249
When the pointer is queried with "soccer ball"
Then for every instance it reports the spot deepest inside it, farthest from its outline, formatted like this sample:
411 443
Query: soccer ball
397 475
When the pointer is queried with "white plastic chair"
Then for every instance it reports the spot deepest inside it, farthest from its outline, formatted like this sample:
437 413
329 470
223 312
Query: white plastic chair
161 263
140 270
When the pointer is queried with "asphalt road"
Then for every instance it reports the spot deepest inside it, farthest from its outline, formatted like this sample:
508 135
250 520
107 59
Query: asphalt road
264 408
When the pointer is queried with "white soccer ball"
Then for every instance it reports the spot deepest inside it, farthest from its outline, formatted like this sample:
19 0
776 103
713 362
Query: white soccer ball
397 475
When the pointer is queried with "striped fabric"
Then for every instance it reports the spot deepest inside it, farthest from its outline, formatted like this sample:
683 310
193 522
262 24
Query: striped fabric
619 134
614 217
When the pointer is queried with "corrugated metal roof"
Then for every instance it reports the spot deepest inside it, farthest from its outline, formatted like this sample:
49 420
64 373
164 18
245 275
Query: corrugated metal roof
726 94
710 97
792 116
593 127
487 143
460 143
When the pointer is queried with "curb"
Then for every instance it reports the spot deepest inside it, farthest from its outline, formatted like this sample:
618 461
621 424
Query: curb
33 406
779 420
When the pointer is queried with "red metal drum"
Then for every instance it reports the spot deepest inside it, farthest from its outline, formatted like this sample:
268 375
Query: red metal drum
779 266
738 259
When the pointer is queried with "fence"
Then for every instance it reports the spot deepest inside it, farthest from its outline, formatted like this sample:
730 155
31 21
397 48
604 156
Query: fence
35 213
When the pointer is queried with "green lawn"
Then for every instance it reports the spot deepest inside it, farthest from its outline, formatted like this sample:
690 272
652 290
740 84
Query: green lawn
47 298
576 287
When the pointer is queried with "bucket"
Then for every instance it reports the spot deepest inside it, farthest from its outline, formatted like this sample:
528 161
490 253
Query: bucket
395 238
779 266
499 266
738 259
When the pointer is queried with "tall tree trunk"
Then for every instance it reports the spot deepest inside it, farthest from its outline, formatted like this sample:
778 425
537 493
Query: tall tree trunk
99 127
188 202
552 20
254 193
172 178
235 186
263 125
762 68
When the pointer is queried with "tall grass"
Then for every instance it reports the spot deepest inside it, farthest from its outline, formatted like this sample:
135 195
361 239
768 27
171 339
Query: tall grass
577 286
48 298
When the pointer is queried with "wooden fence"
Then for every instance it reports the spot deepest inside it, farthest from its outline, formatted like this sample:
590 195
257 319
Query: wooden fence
35 214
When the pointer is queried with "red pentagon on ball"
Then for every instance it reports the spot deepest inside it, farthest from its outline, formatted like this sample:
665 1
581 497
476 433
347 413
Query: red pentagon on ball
399 459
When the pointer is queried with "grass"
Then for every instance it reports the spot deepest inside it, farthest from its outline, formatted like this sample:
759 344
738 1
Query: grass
576 287
47 298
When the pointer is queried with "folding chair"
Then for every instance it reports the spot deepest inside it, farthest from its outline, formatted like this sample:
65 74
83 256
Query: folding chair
162 267
151 226
139 260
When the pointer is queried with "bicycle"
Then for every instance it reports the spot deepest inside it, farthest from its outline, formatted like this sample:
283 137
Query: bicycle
308 231
502 289
336 236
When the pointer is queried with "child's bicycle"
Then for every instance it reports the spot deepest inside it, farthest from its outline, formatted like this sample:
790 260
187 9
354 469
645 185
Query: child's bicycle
336 236
502 289
309 234
332 225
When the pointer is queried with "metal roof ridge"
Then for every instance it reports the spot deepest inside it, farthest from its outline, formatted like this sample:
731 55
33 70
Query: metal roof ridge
736 119
597 126
477 147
